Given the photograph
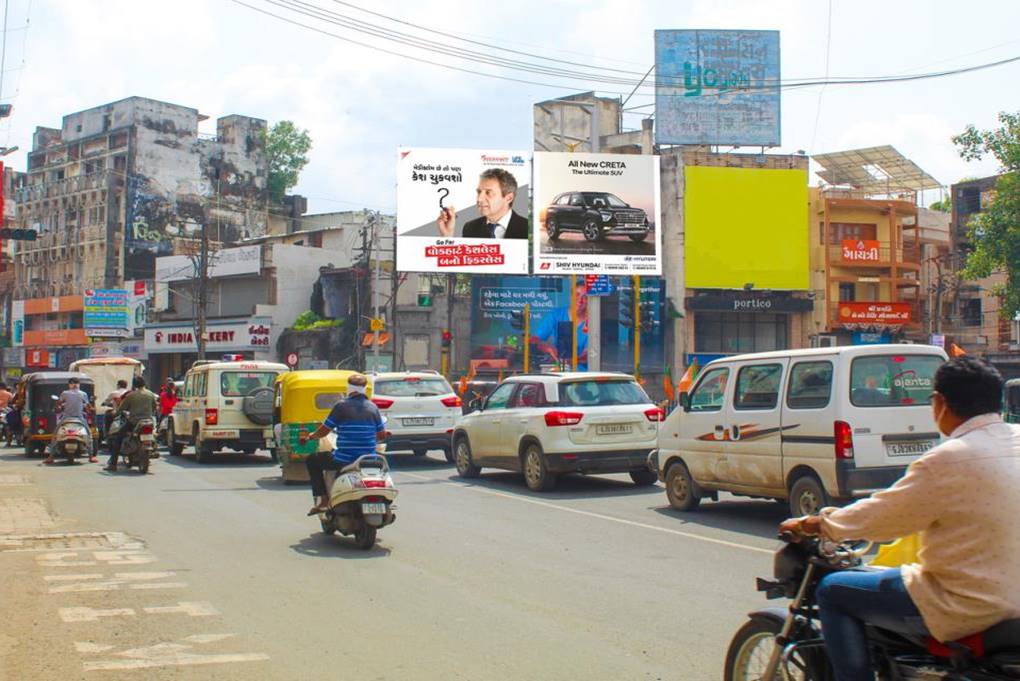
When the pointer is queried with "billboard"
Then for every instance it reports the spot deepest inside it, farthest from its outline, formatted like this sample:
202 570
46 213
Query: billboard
745 226
106 313
717 87
222 263
463 210
597 214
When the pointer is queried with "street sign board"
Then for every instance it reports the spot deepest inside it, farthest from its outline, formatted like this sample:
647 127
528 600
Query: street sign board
598 285
376 325
292 359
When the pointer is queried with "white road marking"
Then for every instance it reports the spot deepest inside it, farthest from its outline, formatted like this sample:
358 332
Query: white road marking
167 655
124 557
88 647
60 559
72 578
120 580
190 608
93 614
590 514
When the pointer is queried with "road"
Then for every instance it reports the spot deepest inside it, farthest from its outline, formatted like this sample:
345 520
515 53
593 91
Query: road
213 571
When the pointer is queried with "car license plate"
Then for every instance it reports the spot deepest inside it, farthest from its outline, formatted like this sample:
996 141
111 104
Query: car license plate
373 509
419 421
71 446
613 429
147 437
908 448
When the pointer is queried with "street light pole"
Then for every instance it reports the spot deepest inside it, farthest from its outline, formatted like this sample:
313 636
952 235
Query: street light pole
373 219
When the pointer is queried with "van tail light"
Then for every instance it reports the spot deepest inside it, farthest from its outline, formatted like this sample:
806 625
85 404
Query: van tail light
562 418
146 428
451 401
844 437
655 415
381 403
212 417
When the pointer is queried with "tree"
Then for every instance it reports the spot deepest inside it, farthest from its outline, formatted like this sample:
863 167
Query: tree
943 205
995 232
287 148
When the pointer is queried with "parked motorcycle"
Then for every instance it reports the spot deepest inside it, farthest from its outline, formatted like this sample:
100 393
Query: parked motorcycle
778 644
139 444
361 501
71 440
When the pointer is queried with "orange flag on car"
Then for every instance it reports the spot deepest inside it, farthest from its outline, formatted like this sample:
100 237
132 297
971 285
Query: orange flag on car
956 351
687 380
462 386
667 384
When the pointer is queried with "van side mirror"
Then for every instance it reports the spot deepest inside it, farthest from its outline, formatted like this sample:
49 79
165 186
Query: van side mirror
685 401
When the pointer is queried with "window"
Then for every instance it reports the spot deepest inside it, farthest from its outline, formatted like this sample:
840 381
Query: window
711 389
530 395
758 387
500 396
599 393
970 310
240 383
838 231
189 386
325 401
201 382
847 291
810 385
412 386
576 200
892 380
563 200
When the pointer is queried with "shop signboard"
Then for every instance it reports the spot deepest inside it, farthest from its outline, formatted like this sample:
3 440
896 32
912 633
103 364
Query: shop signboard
37 357
938 340
874 314
225 262
106 313
749 302
133 349
869 338
861 250
17 323
110 349
598 285
250 334
463 210
597 214
14 357
717 87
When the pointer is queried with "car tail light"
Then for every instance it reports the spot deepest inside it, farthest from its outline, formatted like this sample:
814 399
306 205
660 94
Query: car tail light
381 403
563 418
212 417
655 415
374 483
146 428
844 437
451 401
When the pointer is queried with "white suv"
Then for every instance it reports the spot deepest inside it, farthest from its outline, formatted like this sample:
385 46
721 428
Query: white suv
420 409
543 425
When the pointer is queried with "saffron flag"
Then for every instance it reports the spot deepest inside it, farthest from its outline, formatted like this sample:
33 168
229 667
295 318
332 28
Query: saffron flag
956 351
667 384
687 380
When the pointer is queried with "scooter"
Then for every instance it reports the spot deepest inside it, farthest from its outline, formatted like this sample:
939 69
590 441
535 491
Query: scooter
71 440
361 500
139 445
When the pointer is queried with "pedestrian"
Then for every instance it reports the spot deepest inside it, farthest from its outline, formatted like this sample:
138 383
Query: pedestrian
168 399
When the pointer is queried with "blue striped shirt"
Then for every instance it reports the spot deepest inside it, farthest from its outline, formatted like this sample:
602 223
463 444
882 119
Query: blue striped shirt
356 421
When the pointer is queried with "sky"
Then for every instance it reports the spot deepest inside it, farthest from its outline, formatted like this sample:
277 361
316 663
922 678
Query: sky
360 104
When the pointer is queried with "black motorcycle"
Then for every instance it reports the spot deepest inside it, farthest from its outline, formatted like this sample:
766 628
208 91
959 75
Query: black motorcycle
778 644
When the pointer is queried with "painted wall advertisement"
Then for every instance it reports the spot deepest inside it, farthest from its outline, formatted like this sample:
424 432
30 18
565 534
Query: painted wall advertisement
463 210
250 334
106 313
717 87
597 214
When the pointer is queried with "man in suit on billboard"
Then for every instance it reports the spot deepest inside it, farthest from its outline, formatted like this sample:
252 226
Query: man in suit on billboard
494 199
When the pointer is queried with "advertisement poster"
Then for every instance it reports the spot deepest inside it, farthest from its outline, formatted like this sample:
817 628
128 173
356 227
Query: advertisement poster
17 322
597 214
106 313
463 210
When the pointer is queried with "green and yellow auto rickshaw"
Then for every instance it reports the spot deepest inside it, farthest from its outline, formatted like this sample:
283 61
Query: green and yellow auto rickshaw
1011 401
39 415
302 401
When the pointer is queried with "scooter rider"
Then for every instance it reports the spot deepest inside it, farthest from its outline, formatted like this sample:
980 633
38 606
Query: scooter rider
963 498
73 403
359 427
139 403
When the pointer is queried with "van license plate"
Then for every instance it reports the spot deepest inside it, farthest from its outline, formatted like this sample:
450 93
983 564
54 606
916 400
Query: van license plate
613 429
419 421
71 446
147 437
373 509
908 448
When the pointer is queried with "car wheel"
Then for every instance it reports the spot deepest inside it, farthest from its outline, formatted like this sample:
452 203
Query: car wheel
466 467
807 497
203 452
536 471
448 454
644 477
421 452
639 237
592 230
680 488
552 229
176 446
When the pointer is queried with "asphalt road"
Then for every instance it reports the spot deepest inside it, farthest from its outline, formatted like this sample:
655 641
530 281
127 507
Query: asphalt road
213 571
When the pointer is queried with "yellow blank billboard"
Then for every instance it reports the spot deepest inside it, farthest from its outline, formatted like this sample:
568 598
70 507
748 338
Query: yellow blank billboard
745 226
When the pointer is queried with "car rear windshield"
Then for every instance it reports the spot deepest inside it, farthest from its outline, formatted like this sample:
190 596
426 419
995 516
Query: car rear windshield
238 383
412 387
893 380
597 393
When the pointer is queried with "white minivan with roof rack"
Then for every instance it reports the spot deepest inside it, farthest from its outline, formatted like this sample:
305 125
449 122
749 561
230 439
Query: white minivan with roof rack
812 427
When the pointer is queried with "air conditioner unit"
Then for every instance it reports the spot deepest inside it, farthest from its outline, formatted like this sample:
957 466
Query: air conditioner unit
824 342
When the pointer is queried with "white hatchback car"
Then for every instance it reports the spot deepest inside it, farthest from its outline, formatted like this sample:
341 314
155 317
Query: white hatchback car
544 425
420 409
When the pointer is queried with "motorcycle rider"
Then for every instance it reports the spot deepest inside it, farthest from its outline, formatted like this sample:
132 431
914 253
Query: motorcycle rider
139 403
73 403
359 427
112 400
963 499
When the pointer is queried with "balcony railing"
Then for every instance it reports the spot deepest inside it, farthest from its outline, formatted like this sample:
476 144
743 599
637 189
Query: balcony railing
68 185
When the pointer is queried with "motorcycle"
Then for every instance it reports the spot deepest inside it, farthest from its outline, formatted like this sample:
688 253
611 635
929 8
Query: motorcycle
788 645
361 501
139 444
71 440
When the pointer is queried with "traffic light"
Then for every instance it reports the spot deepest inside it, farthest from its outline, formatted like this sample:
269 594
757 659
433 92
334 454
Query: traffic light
18 234
651 308
447 339
517 320
625 313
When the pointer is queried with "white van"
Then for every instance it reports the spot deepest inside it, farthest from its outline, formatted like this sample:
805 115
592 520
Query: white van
813 427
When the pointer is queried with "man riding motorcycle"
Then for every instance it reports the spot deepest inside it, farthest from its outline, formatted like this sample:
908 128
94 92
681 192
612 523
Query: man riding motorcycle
359 427
139 403
963 499
73 404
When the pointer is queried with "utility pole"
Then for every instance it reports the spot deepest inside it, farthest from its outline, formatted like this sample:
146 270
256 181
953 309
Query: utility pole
373 219
446 357
637 326
595 302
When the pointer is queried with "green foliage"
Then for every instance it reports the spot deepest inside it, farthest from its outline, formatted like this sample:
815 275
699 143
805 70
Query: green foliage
995 232
945 205
309 320
287 148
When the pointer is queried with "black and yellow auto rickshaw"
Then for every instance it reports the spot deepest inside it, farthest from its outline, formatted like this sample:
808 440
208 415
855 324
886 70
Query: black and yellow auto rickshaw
39 417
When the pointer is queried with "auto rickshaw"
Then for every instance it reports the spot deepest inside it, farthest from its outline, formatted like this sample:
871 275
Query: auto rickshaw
1011 401
302 400
40 414
106 371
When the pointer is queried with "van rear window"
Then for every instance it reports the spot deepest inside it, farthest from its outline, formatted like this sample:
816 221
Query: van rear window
893 380
240 383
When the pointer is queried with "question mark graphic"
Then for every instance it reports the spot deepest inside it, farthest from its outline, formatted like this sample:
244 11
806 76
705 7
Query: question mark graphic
441 190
